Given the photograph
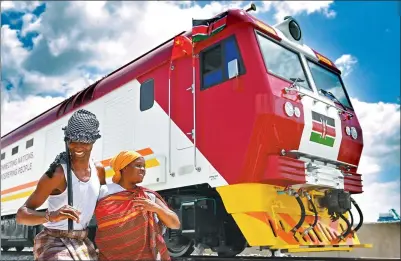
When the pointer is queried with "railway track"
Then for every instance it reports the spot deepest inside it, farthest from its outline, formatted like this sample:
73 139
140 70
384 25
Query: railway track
27 255
13 255
283 258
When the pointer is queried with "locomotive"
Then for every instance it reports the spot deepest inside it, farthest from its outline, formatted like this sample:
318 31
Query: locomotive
252 140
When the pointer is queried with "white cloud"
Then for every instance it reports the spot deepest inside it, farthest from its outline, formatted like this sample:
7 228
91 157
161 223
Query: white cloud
378 197
346 64
30 23
20 111
380 123
381 130
293 8
27 6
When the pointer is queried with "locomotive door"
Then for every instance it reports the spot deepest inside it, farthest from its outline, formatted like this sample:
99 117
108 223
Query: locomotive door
181 114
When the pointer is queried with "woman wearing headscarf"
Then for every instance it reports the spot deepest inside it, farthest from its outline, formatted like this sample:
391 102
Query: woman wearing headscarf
131 218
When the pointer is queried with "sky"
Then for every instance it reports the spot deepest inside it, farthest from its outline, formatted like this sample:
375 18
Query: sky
51 50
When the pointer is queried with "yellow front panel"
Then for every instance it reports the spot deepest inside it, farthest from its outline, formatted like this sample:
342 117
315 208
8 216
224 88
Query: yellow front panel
266 218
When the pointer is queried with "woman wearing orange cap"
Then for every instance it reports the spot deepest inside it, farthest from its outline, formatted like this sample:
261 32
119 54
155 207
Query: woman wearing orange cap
130 218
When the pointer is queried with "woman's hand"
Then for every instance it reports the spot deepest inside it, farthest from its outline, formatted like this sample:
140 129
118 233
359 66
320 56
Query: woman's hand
145 204
64 212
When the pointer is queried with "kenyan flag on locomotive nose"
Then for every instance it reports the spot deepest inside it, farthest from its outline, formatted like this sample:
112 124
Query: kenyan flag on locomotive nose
323 130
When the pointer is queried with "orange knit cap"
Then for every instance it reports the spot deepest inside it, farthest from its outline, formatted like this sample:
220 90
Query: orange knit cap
120 161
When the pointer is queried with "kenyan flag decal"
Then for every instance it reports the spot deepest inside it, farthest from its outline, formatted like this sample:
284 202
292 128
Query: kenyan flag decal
323 130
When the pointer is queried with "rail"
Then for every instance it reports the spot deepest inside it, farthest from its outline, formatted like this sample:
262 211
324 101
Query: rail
27 255
274 258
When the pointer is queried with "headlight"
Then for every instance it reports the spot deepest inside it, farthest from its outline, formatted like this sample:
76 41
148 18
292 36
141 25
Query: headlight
289 109
348 130
295 30
354 133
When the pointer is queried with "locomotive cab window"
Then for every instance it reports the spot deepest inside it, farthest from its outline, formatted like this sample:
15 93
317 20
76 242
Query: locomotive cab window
281 61
216 60
147 95
329 81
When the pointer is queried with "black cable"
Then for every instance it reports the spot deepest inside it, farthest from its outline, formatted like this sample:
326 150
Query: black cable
302 219
346 233
311 226
314 211
360 215
351 217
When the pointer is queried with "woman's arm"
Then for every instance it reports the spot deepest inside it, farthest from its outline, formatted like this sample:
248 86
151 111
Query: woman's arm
167 216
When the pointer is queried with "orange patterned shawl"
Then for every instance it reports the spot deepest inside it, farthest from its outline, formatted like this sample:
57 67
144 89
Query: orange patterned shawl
126 234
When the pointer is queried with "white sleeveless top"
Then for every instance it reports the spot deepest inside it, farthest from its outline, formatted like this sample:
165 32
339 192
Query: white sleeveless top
85 195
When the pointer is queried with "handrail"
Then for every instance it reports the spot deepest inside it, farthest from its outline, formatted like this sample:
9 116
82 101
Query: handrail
293 87
296 154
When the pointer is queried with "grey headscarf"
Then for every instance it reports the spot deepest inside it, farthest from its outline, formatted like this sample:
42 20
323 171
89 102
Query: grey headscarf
82 127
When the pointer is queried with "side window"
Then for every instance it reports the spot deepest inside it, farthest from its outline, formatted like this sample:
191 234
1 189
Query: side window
212 66
29 143
214 62
3 155
147 95
14 150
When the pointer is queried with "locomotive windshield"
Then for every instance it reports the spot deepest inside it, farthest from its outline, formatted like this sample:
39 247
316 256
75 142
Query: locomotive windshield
330 82
281 61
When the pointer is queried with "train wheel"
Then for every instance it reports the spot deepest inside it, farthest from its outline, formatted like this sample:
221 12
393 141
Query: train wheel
184 247
19 249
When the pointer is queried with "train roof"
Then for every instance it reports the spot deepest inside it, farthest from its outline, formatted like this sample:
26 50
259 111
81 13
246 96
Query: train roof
135 68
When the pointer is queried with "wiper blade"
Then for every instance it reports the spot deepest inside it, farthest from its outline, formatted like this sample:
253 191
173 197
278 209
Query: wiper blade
329 94
295 80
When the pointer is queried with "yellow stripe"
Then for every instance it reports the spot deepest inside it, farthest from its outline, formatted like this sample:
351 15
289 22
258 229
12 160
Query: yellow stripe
17 196
150 163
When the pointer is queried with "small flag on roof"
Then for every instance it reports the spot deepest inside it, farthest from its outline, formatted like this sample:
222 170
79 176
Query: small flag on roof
203 29
182 46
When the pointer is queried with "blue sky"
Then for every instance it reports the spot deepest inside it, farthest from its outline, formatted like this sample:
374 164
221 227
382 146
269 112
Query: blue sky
368 31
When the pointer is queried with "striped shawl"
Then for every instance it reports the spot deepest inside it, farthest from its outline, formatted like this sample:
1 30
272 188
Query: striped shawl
126 234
